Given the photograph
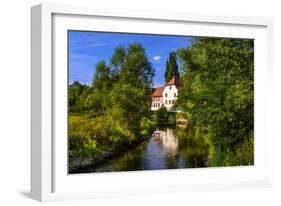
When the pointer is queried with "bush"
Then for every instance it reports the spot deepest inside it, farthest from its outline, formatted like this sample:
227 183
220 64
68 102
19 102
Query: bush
81 143
88 137
242 154
147 126
162 115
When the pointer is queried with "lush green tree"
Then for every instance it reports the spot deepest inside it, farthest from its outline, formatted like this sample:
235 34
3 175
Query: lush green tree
77 94
101 78
122 89
171 67
97 101
218 89
117 60
130 95
116 105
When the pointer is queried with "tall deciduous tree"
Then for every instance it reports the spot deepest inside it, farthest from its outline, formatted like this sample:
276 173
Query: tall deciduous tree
131 93
122 89
97 101
218 89
118 58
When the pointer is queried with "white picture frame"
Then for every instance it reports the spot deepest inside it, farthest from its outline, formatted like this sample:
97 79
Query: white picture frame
49 179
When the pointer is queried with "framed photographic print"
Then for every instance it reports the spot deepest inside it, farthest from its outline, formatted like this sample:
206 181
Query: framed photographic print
135 102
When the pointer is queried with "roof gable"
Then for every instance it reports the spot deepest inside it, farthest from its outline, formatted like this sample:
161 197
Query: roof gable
174 81
158 92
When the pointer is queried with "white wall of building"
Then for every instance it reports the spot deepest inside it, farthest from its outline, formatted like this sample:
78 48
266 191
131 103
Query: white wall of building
170 94
156 103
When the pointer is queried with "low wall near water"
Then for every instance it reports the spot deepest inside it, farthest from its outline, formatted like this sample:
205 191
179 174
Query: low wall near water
181 121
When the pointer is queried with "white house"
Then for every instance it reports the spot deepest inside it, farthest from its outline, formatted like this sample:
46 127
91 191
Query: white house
165 95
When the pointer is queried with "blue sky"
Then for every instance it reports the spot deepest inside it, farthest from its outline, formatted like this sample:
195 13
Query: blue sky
88 48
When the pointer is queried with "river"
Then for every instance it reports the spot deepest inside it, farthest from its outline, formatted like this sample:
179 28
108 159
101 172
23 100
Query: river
168 148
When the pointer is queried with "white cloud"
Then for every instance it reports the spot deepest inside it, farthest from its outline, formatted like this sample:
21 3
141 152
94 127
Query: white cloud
156 58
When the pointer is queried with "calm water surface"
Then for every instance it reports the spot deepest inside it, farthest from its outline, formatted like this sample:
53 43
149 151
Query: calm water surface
168 148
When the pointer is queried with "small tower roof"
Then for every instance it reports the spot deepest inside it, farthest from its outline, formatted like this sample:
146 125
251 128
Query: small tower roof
174 81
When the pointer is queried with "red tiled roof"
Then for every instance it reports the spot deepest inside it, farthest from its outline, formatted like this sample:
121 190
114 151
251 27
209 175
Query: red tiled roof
174 81
158 92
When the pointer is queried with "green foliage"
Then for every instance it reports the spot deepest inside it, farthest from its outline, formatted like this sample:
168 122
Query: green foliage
97 101
117 103
77 96
218 90
89 137
131 94
117 60
164 118
162 115
171 67
243 154
80 143
147 126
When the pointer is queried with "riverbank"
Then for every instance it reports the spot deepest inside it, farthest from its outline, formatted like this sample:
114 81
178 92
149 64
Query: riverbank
92 140
169 148
77 164
95 140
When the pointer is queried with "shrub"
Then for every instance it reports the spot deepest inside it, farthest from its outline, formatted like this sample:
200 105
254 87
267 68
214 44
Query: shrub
89 137
162 115
147 126
242 154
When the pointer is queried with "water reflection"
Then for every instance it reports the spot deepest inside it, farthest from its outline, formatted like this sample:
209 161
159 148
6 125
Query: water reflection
168 148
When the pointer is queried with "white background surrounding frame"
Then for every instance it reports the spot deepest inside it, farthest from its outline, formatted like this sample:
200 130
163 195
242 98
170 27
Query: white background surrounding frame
15 104
52 170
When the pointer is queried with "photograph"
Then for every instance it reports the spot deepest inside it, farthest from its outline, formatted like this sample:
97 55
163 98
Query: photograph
139 102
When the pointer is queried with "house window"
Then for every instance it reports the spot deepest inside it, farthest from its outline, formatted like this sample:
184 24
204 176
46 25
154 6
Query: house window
166 94
175 94
169 101
166 102
170 87
158 104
